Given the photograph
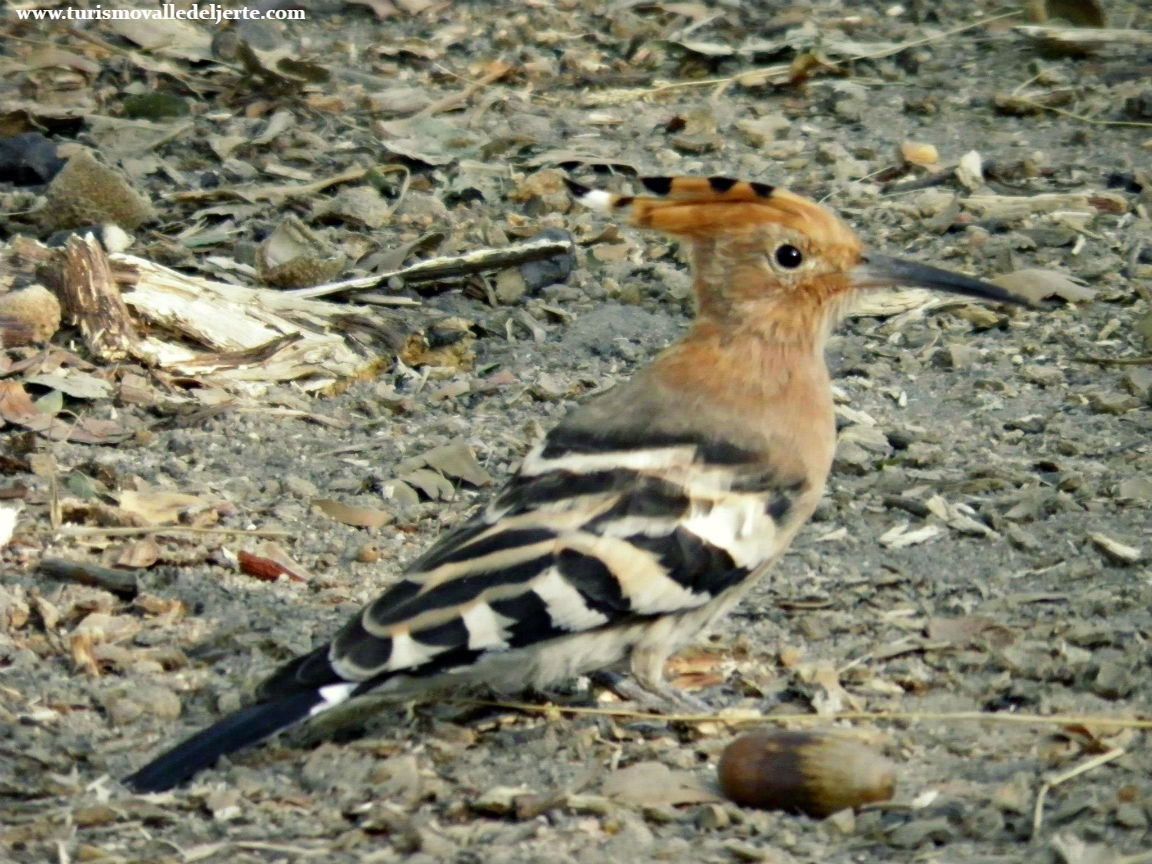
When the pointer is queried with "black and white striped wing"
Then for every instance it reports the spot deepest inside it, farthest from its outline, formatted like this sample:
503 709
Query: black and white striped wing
582 539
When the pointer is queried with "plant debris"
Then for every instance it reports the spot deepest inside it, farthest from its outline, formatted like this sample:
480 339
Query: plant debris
282 301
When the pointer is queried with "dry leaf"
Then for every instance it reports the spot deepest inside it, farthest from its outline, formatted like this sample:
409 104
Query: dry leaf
17 408
158 506
456 459
139 555
650 783
360 517
1036 284
265 569
969 630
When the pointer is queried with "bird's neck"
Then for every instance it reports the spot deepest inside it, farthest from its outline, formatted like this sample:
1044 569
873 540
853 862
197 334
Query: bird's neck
772 394
765 358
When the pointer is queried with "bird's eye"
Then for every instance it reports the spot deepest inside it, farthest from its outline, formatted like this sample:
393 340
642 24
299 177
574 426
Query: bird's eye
789 257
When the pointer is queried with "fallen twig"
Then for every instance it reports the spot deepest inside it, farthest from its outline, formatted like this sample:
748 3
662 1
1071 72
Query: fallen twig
745 719
122 583
1056 779
446 267
1032 103
145 530
496 71
1115 361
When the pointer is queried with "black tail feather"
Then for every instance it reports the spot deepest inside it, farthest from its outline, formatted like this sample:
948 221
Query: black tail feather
235 732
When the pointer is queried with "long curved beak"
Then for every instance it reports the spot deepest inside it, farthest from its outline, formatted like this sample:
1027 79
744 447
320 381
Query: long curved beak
882 271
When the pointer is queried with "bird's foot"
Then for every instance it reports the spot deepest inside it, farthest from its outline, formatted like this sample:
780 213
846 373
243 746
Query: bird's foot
662 698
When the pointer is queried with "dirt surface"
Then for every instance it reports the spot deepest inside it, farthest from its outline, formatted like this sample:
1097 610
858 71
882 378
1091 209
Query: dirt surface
983 545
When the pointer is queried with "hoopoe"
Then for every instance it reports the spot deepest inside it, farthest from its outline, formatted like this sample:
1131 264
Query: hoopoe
647 512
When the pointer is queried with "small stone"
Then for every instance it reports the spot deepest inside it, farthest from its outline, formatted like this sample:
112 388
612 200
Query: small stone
422 208
914 834
435 844
843 821
126 706
1112 681
94 817
223 804
921 454
957 357
1020 538
33 311
500 800
985 821
1130 814
763 130
919 153
661 814
1031 424
850 109
510 286
711 817
87 192
1139 383
1045 376
598 805
1114 550
301 487
742 850
871 438
851 458
1134 489
1112 402
369 553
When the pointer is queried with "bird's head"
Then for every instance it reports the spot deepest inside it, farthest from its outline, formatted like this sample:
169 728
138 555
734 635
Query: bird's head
767 253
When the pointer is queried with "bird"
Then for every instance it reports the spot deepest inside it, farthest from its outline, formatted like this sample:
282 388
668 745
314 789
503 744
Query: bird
647 512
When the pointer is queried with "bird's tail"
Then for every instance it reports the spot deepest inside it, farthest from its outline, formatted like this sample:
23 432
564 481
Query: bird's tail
241 729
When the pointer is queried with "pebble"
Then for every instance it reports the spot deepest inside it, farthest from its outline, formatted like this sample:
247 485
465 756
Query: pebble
125 706
1134 489
1045 376
1112 402
510 286
763 130
500 800
712 817
1130 814
1139 383
914 834
1112 680
957 356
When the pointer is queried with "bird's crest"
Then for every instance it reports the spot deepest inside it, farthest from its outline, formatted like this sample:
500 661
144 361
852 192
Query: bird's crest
703 206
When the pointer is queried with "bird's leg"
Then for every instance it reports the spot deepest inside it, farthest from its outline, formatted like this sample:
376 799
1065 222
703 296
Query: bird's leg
647 687
659 697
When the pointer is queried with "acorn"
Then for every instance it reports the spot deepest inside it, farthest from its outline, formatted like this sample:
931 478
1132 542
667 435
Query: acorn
816 773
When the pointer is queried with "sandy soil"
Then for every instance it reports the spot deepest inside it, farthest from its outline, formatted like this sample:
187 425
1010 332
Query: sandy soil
995 426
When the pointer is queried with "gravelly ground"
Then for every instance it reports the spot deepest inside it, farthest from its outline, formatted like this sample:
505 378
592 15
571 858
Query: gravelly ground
985 415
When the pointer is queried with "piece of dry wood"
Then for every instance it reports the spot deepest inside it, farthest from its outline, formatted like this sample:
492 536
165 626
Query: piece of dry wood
1015 207
447 267
91 299
122 583
247 337
1085 38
